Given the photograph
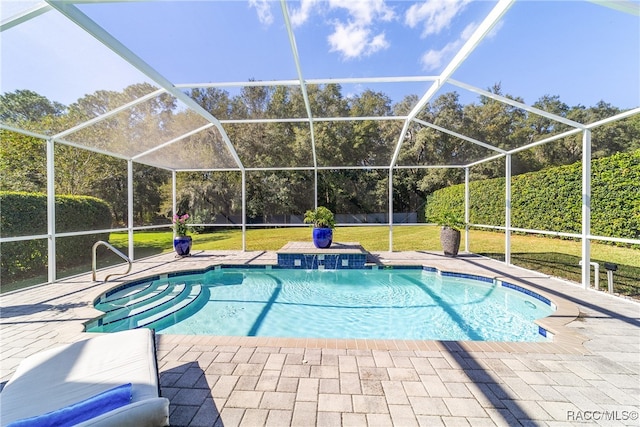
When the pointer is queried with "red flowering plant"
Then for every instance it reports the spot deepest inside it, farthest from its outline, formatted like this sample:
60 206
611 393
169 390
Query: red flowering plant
181 224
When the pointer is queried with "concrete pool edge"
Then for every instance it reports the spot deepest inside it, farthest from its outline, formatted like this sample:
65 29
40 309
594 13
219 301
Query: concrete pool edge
565 340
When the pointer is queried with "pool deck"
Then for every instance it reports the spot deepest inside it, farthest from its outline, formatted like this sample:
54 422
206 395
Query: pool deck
589 374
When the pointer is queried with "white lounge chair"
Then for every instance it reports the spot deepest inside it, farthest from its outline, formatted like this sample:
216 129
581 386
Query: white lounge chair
71 380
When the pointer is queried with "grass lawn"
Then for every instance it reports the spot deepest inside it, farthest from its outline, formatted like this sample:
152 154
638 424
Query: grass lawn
551 256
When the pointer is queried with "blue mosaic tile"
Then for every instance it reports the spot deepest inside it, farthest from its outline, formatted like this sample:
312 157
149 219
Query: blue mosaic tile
542 331
528 292
184 273
253 266
327 261
466 276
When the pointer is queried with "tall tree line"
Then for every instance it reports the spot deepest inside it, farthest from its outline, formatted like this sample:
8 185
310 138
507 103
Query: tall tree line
274 194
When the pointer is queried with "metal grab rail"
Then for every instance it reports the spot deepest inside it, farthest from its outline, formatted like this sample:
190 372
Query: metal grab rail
115 251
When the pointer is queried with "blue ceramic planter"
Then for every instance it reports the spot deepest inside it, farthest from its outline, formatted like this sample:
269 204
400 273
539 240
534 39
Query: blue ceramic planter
182 245
322 237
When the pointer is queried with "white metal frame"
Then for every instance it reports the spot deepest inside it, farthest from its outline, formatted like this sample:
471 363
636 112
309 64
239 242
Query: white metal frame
68 9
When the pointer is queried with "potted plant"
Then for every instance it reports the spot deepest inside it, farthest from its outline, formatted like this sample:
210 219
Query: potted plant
450 233
181 240
323 222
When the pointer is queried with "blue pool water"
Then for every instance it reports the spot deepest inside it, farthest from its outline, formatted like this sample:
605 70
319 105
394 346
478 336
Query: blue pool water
372 304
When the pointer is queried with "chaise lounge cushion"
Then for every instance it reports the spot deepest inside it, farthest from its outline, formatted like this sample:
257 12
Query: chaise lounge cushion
63 376
81 411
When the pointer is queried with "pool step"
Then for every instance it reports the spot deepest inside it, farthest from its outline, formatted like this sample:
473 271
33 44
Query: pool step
181 296
134 298
126 292
195 292
147 301
152 305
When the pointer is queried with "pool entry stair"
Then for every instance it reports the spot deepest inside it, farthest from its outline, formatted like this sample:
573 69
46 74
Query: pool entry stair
141 305
304 255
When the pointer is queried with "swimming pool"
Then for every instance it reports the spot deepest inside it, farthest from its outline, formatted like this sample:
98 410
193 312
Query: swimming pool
400 303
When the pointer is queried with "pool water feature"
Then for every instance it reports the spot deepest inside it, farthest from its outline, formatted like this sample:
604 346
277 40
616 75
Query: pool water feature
399 303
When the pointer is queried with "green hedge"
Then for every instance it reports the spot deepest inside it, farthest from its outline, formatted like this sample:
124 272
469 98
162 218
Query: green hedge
24 214
551 199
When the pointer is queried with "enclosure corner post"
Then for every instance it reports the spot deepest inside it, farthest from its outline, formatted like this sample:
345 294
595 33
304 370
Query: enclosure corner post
244 210
586 208
466 209
507 213
390 209
174 192
51 211
315 187
130 207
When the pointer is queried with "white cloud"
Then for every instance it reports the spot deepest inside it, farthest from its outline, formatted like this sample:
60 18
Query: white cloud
364 12
353 40
301 15
468 31
434 15
348 39
263 7
496 29
379 42
355 36
433 58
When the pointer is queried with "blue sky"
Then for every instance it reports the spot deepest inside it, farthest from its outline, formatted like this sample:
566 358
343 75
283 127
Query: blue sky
580 51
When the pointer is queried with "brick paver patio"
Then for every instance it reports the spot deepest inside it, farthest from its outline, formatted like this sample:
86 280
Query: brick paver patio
589 375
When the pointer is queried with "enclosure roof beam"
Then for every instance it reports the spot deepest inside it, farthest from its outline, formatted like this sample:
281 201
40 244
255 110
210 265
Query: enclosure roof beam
617 117
91 149
83 21
459 135
517 104
430 166
174 140
626 6
316 119
248 83
545 140
24 131
108 114
488 159
24 16
528 146
329 168
359 80
62 141
566 134
478 35
345 80
303 86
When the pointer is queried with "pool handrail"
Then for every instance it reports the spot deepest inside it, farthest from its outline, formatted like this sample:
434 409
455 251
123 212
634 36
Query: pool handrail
115 251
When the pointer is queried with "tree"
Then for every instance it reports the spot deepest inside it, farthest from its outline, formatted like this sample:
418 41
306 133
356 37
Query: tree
24 106
215 101
141 129
370 145
22 162
207 195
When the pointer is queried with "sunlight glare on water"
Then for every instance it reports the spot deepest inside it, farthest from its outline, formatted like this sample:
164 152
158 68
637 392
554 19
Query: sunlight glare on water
370 304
